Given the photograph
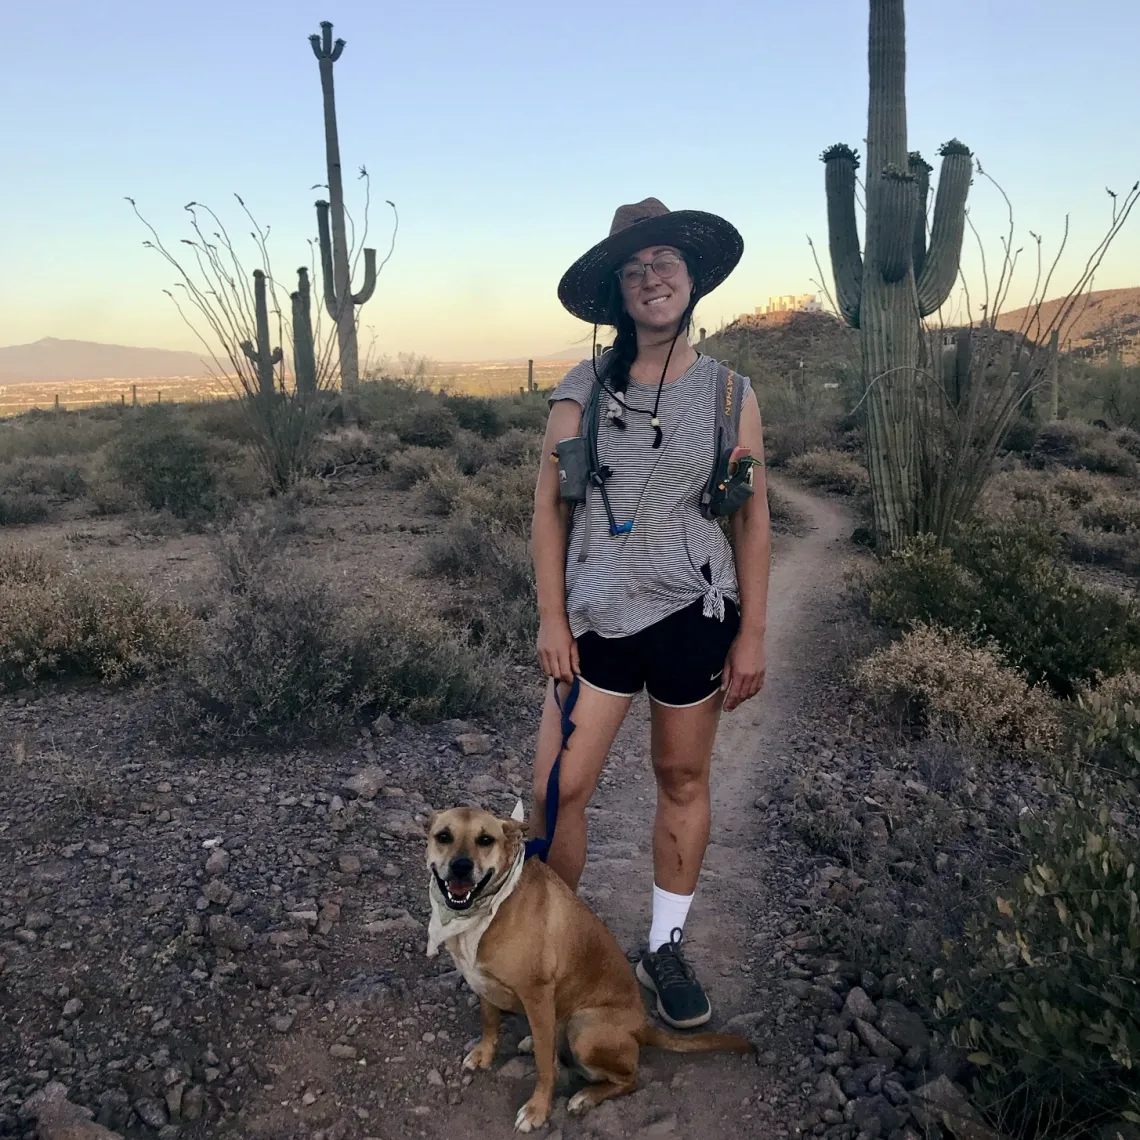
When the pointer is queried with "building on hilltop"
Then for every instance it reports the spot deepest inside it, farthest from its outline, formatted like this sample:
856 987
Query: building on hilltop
790 303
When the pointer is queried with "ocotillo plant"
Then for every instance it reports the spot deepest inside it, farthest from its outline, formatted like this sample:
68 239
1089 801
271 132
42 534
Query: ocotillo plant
263 358
886 290
340 301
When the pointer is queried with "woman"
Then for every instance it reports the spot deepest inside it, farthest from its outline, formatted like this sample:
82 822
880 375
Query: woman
667 603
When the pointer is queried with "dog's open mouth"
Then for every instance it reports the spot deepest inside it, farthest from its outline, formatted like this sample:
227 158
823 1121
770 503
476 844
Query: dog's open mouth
461 896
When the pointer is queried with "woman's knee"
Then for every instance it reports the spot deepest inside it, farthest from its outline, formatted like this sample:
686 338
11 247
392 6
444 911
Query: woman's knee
683 783
575 787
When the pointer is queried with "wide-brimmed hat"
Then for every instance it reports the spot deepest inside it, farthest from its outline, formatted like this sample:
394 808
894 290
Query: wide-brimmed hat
712 248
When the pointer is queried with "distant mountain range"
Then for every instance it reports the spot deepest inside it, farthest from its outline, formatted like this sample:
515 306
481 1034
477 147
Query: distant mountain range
51 359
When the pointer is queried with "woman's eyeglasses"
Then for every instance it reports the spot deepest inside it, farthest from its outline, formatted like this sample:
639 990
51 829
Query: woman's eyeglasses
665 265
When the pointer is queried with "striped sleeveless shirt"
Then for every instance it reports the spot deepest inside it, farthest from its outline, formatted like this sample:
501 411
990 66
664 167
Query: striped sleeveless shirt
631 581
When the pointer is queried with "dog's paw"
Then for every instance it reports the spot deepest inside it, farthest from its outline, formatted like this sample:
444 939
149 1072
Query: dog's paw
526 1045
534 1114
580 1102
480 1057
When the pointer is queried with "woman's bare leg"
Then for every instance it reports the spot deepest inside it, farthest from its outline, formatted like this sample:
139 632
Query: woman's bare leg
597 716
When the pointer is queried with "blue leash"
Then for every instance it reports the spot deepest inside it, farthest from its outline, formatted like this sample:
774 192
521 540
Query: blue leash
541 847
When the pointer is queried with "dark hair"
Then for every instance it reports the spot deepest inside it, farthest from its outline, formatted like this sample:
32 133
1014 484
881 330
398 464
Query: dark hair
621 356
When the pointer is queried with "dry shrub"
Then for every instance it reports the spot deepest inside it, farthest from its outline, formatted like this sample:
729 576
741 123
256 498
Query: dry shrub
1097 516
39 476
1113 709
1004 584
429 426
783 442
962 691
485 546
831 470
1074 443
414 464
49 434
344 447
58 621
441 491
287 661
21 509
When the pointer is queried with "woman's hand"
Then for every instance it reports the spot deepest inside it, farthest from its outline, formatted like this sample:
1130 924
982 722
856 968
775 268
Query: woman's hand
557 649
744 669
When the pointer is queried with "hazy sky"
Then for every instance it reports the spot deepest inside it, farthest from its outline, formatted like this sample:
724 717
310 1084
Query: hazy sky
508 131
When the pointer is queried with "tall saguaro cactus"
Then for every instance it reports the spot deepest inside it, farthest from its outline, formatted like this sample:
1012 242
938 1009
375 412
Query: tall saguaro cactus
340 300
886 289
263 358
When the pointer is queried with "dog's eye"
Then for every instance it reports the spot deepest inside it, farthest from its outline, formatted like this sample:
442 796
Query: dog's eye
443 837
485 841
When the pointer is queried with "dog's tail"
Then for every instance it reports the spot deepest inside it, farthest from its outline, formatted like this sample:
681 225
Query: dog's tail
694 1042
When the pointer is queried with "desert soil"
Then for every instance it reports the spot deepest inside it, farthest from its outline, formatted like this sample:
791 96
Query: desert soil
235 947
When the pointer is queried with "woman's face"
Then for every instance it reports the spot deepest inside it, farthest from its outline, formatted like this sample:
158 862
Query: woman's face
656 287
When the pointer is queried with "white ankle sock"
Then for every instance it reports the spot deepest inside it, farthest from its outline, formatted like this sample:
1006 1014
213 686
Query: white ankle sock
669 912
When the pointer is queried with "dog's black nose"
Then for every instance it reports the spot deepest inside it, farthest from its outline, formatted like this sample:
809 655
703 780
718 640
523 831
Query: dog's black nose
462 869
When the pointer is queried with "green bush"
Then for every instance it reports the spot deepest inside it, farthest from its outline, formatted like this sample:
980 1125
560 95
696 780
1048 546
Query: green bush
166 464
1050 1010
1004 583
59 622
479 414
1114 720
382 401
48 434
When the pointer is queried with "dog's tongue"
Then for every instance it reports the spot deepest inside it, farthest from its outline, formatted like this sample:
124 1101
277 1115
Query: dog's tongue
460 890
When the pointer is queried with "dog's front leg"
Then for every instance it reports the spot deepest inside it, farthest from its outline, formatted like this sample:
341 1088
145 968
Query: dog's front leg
539 1007
484 1053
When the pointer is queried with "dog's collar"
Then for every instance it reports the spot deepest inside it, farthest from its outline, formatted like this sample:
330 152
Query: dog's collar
446 923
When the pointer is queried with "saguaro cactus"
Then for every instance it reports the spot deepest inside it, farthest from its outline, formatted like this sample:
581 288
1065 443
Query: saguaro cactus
304 355
898 279
340 300
264 359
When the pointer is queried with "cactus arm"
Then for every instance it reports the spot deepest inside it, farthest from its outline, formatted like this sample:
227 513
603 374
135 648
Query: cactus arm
327 259
276 356
920 168
369 278
249 350
898 204
840 164
941 268
264 358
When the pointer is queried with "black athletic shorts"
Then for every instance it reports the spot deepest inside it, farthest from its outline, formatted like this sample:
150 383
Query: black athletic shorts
679 660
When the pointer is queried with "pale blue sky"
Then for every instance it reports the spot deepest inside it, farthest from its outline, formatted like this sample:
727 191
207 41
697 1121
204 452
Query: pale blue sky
507 132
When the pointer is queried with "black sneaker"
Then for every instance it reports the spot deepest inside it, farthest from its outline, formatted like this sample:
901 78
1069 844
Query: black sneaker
680 1000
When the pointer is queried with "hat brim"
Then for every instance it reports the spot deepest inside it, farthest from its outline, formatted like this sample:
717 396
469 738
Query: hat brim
712 248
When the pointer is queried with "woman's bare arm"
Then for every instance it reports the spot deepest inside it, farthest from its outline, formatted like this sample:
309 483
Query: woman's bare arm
557 650
751 533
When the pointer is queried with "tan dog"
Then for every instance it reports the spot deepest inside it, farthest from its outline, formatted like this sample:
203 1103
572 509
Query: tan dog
527 944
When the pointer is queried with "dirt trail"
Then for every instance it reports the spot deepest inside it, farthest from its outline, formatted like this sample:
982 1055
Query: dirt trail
748 886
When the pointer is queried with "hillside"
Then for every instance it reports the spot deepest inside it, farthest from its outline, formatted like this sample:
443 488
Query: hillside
768 349
1102 320
51 359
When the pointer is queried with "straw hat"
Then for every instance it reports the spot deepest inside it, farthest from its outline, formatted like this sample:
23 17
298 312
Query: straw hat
711 246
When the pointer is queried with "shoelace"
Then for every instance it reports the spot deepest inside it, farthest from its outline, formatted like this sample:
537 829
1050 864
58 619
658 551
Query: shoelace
672 969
